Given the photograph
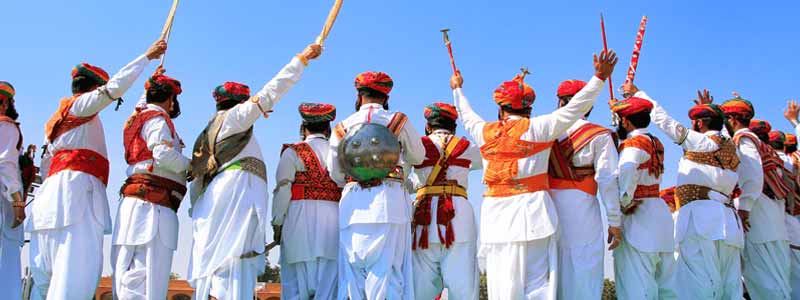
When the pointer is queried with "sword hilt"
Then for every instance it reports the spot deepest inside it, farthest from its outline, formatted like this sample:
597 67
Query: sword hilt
444 33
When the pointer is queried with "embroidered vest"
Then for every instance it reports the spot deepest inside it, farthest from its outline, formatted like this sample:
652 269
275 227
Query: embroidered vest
62 121
209 153
502 149
438 185
136 149
315 182
563 173
654 166
724 157
774 186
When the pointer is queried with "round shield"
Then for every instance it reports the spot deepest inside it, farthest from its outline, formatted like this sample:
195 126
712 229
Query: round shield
369 151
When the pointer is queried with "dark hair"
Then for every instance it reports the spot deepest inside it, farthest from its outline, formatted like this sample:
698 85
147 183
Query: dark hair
713 123
317 127
741 119
83 84
227 104
777 145
563 100
791 149
442 123
158 94
522 111
764 137
640 120
373 94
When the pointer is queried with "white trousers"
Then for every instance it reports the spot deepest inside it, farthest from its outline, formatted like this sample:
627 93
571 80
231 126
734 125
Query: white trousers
438 267
766 270
580 270
708 269
10 276
141 272
643 275
309 280
795 277
521 270
375 262
66 263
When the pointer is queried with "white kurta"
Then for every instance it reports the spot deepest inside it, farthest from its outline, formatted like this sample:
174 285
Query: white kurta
310 232
708 233
644 262
517 232
70 213
10 238
793 232
145 234
580 243
230 216
766 252
374 223
456 267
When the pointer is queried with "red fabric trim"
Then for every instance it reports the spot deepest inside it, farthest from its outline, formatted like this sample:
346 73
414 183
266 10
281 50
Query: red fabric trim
653 147
315 183
774 186
62 121
136 149
83 160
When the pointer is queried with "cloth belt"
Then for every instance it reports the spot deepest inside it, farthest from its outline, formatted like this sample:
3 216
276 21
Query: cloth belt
514 187
442 189
587 185
154 189
83 160
646 191
684 194
250 165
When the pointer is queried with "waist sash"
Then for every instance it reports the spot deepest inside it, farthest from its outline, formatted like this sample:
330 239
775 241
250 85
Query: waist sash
83 160
154 189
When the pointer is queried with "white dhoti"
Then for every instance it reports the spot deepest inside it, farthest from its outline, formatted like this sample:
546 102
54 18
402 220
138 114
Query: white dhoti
766 269
643 275
375 262
454 268
73 253
521 270
793 227
309 280
708 269
580 274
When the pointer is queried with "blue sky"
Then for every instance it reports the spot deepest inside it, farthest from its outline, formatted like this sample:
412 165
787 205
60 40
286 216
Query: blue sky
724 46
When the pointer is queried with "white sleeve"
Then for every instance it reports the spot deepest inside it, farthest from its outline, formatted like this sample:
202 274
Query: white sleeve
606 160
413 150
10 177
284 177
473 153
165 148
751 175
629 160
552 126
472 121
93 102
336 172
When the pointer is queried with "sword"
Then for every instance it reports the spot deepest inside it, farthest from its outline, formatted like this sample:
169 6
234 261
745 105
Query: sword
252 254
610 82
167 30
637 49
329 22
449 49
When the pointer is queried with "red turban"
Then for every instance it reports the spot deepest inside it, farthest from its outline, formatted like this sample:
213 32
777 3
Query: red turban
317 112
96 73
6 90
171 84
791 140
777 137
632 106
439 109
738 106
231 91
705 111
514 94
760 127
375 81
570 87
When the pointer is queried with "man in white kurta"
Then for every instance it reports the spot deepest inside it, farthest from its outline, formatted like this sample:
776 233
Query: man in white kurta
70 215
305 211
586 168
519 220
765 259
445 231
229 205
709 236
12 205
145 233
374 218
644 263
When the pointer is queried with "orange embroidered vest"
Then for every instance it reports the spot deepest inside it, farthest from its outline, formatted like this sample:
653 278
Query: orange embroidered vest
654 166
62 121
502 150
563 174
135 146
314 183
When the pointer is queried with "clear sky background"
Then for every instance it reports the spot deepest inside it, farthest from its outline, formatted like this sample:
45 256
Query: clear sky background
744 46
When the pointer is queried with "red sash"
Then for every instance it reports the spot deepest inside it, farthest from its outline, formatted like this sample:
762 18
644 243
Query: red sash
62 121
314 183
774 186
136 149
563 174
83 160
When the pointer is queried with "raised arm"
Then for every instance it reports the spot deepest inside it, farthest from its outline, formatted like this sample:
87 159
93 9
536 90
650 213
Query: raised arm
472 121
93 102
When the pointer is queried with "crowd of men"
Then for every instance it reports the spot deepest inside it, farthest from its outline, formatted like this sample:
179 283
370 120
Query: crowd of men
730 224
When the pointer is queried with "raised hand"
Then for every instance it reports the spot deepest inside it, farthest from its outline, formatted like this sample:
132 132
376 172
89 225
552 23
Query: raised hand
456 81
160 71
703 97
792 109
604 64
629 89
156 50
312 51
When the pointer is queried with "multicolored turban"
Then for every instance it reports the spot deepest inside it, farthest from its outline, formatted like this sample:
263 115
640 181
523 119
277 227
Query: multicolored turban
317 112
375 81
739 106
6 90
701 111
632 106
776 136
791 140
514 94
95 73
231 91
440 109
161 81
760 127
570 87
